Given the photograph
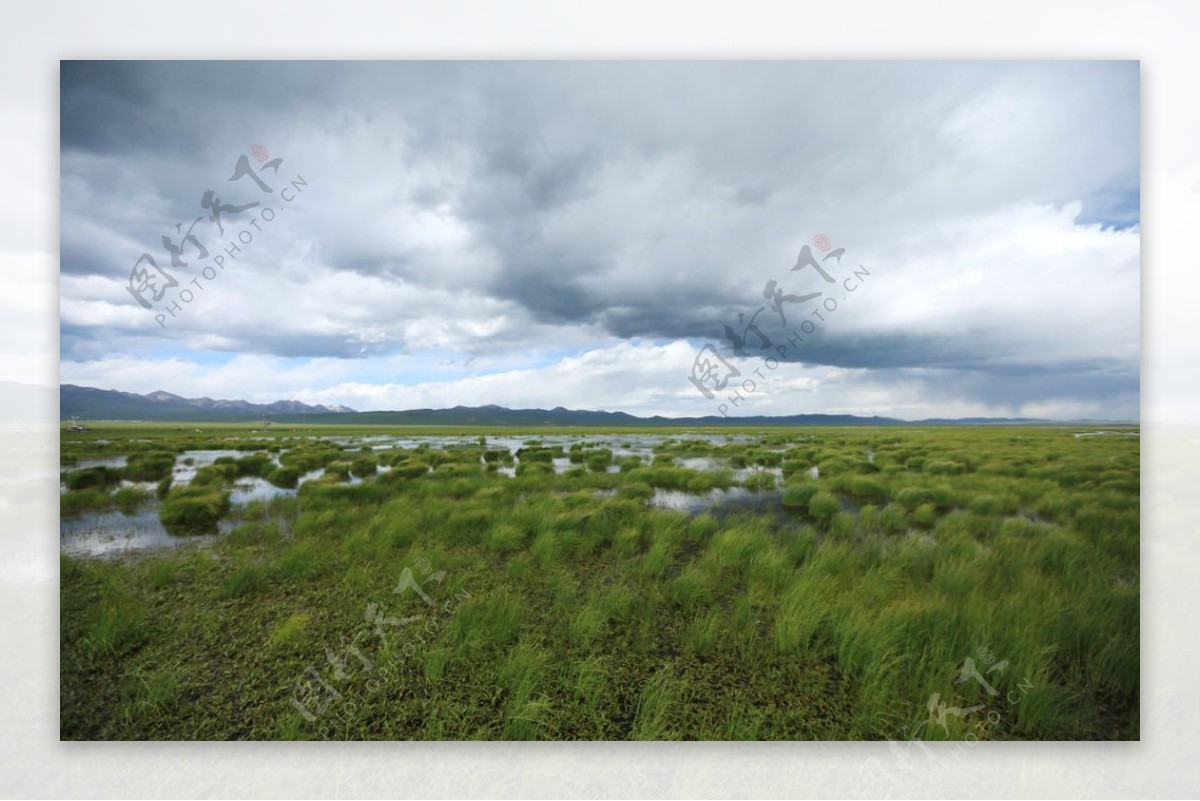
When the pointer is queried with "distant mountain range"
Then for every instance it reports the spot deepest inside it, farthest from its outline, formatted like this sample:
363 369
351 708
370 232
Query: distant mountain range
109 404
89 404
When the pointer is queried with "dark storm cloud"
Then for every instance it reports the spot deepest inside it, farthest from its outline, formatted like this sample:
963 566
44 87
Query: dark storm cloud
820 142
112 107
1023 387
634 200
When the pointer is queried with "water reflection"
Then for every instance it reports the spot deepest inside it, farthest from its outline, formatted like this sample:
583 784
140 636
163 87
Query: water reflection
111 534
108 534
248 490
187 463
695 503
115 462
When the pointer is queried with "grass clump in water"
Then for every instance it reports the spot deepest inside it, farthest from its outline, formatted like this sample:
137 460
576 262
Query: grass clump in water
284 477
148 466
798 496
93 478
191 509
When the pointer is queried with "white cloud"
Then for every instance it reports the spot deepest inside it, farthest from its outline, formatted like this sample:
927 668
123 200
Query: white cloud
516 213
643 379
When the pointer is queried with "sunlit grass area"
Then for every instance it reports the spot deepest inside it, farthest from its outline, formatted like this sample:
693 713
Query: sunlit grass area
854 583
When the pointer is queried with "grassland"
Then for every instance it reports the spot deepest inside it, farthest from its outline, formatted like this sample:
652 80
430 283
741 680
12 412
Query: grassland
459 590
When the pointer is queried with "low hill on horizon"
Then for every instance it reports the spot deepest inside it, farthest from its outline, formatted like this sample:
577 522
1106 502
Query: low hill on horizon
91 404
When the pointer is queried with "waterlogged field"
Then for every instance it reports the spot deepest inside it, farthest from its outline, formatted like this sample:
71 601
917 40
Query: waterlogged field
224 582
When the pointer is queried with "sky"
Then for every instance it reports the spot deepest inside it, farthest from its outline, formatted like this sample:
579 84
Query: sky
582 234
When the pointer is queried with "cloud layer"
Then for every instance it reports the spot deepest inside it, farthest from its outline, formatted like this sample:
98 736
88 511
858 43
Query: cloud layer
544 234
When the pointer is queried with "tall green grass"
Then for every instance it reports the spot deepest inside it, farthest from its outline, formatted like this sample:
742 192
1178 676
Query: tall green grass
570 607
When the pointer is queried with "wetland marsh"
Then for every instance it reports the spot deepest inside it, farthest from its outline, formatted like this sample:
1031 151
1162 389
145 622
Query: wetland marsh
237 582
